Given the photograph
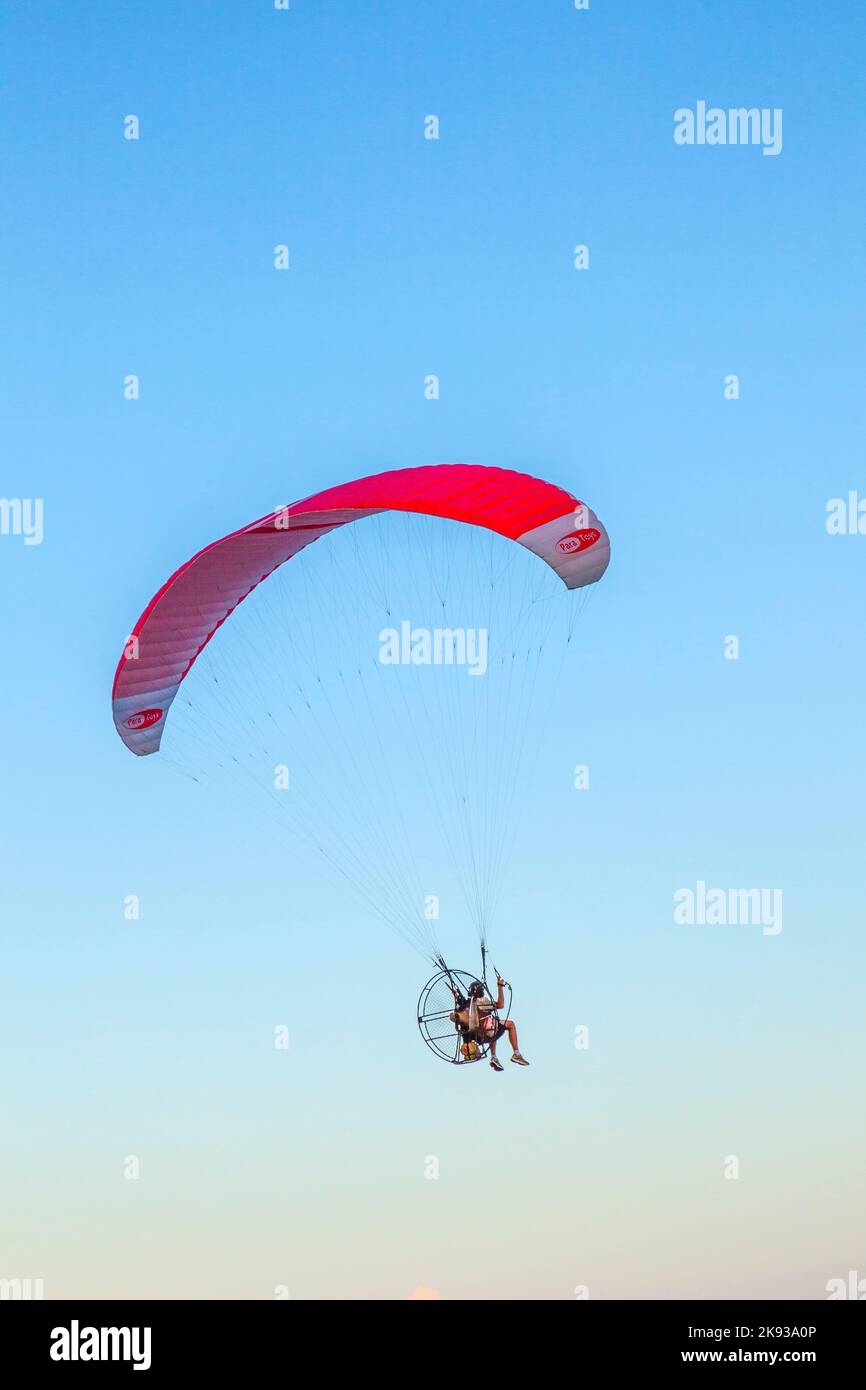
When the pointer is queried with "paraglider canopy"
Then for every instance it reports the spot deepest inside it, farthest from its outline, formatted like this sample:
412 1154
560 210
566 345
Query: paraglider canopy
183 616
372 704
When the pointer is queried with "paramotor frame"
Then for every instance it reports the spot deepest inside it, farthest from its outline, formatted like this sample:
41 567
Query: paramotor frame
435 1006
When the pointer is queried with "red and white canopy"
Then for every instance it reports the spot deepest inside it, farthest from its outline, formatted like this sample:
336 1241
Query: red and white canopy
182 617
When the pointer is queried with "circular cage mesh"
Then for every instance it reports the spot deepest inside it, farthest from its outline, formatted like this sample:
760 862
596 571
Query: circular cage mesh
435 1005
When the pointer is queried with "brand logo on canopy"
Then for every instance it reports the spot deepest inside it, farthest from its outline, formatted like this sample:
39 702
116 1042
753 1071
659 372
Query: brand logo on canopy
143 719
578 540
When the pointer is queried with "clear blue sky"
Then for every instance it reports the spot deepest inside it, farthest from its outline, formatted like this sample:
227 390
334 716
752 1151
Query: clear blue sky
455 257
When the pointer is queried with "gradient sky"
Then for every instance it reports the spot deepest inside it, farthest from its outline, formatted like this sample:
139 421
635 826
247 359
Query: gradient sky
306 1168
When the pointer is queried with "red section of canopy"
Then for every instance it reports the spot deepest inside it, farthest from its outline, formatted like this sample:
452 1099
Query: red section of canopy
510 503
185 613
